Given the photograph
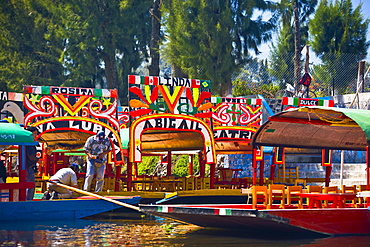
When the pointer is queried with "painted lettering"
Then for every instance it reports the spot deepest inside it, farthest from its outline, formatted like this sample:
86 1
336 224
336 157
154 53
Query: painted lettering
233 134
3 95
173 123
158 123
148 125
183 125
72 91
308 102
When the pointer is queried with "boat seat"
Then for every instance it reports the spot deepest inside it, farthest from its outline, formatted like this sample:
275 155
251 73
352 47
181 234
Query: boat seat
330 190
301 182
259 197
206 183
291 194
276 193
362 187
313 189
350 189
4 195
190 183
180 184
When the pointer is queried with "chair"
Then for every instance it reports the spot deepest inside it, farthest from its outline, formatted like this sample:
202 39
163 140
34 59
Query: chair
259 195
4 195
180 185
156 184
189 183
287 175
206 183
225 179
276 193
300 181
291 194
108 184
350 189
361 188
313 189
244 182
198 183
330 190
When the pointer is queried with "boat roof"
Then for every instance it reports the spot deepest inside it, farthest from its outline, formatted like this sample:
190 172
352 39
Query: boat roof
316 127
14 134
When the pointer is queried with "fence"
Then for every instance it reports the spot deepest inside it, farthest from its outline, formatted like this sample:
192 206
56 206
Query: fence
332 74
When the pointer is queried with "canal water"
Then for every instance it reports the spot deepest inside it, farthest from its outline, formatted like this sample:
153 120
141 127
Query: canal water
120 228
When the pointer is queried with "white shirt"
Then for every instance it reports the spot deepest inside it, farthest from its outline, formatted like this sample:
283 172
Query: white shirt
66 176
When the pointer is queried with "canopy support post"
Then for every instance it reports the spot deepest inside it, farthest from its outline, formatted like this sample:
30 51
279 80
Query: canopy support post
118 178
169 163
202 165
367 168
22 171
326 162
327 175
191 164
254 167
262 169
212 173
129 176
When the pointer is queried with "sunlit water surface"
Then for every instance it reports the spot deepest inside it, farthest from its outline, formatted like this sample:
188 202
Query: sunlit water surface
135 229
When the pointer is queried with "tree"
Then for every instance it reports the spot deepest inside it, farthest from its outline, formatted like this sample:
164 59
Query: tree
105 40
73 42
29 54
338 36
155 38
213 39
293 36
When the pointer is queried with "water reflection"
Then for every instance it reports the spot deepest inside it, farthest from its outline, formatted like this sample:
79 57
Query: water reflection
135 229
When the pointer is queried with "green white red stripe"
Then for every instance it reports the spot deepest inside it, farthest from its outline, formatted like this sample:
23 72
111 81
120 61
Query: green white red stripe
307 102
247 101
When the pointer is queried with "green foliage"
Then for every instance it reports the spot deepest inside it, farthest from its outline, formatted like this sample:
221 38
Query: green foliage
212 40
180 165
148 164
337 29
281 62
243 88
73 43
29 54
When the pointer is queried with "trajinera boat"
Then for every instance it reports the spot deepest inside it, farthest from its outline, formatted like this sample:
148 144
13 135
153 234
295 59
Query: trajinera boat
13 134
302 212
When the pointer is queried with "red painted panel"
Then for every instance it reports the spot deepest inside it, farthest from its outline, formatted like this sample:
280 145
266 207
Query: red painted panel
330 221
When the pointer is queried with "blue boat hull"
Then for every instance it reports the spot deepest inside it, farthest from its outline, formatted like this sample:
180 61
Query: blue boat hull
59 209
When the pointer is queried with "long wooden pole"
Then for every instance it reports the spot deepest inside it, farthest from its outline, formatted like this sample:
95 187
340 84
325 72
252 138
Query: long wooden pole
96 195
109 199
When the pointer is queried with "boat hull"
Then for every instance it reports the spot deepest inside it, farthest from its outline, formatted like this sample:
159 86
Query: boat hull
59 209
338 221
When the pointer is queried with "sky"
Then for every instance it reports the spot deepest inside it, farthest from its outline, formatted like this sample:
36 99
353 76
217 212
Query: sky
265 48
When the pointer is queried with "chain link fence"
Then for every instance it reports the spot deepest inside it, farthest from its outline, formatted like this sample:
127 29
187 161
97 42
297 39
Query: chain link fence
331 74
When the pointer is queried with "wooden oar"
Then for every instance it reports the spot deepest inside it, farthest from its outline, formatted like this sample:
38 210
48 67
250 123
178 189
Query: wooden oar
96 195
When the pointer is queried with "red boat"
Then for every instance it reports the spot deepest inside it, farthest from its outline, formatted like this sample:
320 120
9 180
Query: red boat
328 221
310 128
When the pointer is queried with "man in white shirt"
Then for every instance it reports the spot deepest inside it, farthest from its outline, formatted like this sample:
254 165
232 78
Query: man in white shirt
96 148
65 176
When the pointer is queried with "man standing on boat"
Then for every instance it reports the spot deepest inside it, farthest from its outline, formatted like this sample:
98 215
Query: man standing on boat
31 163
96 148
67 176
